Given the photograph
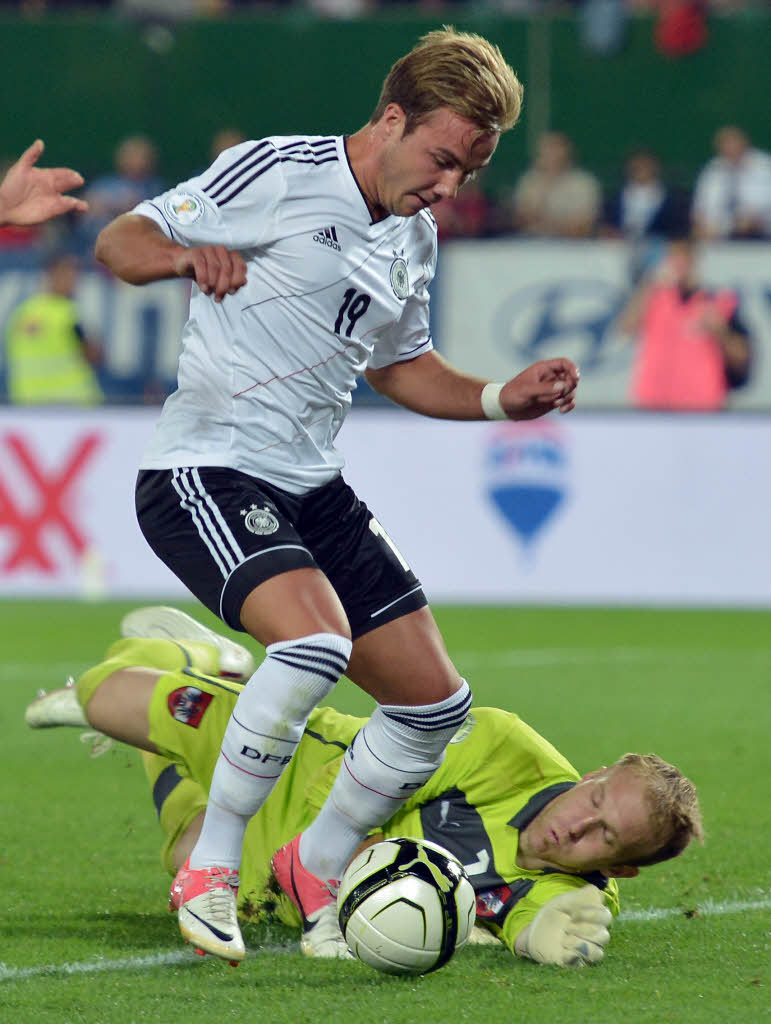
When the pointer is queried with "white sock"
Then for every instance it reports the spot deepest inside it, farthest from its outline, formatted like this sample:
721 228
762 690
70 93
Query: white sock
394 754
261 736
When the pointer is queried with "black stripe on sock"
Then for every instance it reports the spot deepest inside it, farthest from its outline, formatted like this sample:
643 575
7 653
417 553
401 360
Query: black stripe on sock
332 657
303 660
433 721
305 668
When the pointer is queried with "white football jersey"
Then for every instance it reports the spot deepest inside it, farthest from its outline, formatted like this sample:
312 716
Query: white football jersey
265 376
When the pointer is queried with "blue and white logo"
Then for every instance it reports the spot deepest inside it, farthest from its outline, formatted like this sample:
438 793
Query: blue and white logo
567 318
527 468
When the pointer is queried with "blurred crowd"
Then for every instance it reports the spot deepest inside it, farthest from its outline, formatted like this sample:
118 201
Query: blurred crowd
642 202
673 316
690 10
555 197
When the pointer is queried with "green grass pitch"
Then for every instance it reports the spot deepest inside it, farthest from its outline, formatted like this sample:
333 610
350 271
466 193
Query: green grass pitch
86 936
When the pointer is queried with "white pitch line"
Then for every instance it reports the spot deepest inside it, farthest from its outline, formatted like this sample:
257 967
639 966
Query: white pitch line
129 963
707 908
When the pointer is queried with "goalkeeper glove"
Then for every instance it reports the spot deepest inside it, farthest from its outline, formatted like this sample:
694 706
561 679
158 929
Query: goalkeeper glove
570 930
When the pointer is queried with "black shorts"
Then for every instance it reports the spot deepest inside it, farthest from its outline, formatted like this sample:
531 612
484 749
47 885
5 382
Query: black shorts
223 533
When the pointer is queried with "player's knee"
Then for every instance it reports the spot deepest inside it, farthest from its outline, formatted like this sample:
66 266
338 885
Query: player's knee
457 687
157 654
88 684
321 657
439 686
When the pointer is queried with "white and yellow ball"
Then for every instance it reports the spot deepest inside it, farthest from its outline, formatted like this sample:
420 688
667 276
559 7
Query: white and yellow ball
405 906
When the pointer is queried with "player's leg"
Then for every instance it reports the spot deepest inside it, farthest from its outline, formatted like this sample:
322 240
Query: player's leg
400 659
165 623
233 541
180 802
177 717
195 648
121 715
116 694
422 702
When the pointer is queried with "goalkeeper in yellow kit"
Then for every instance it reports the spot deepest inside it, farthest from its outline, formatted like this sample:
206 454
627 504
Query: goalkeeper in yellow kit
541 845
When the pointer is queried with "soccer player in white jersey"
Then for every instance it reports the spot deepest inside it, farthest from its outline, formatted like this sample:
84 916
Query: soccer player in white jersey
311 259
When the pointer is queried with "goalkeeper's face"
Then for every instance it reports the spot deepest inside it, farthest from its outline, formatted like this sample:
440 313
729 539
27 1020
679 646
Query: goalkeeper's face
600 824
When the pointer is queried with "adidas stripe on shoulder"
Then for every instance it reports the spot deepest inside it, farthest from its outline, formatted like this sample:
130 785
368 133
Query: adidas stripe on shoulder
253 163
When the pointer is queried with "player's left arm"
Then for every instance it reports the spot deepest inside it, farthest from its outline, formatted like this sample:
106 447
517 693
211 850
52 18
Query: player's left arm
430 385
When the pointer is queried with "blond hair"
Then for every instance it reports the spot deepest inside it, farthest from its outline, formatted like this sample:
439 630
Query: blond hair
673 804
460 71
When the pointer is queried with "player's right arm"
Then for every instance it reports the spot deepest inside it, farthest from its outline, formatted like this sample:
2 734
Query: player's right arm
570 930
136 250
561 920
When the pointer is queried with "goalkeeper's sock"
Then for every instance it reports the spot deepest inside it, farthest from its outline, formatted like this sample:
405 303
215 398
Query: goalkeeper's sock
393 755
263 732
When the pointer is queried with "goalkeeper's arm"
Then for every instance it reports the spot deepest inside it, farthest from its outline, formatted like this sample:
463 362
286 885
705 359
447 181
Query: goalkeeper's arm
570 930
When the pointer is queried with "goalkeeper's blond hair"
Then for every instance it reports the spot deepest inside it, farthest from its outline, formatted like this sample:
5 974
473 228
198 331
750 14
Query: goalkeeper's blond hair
457 70
672 802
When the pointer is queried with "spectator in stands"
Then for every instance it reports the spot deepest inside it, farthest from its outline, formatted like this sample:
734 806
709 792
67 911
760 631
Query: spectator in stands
692 347
733 192
556 198
133 180
49 358
644 211
224 139
644 206
681 27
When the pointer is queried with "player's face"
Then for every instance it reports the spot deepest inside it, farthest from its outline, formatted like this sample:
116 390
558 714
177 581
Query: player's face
596 826
431 162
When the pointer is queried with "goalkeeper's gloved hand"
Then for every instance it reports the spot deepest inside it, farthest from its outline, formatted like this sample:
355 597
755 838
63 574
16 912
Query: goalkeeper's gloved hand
570 930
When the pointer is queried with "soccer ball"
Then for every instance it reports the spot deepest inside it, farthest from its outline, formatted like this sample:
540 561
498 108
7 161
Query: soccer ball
405 906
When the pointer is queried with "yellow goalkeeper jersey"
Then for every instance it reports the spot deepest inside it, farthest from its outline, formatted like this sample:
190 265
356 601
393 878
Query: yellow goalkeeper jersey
498 773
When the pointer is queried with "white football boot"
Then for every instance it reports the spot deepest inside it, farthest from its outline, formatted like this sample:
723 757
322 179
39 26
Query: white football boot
61 707
205 901
57 707
165 623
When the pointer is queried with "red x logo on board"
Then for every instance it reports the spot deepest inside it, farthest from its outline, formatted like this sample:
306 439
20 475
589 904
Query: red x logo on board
50 509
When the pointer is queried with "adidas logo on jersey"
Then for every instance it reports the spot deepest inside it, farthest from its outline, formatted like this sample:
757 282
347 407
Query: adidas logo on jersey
328 237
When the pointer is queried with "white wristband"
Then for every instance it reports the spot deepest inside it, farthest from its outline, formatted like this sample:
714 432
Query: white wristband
491 402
